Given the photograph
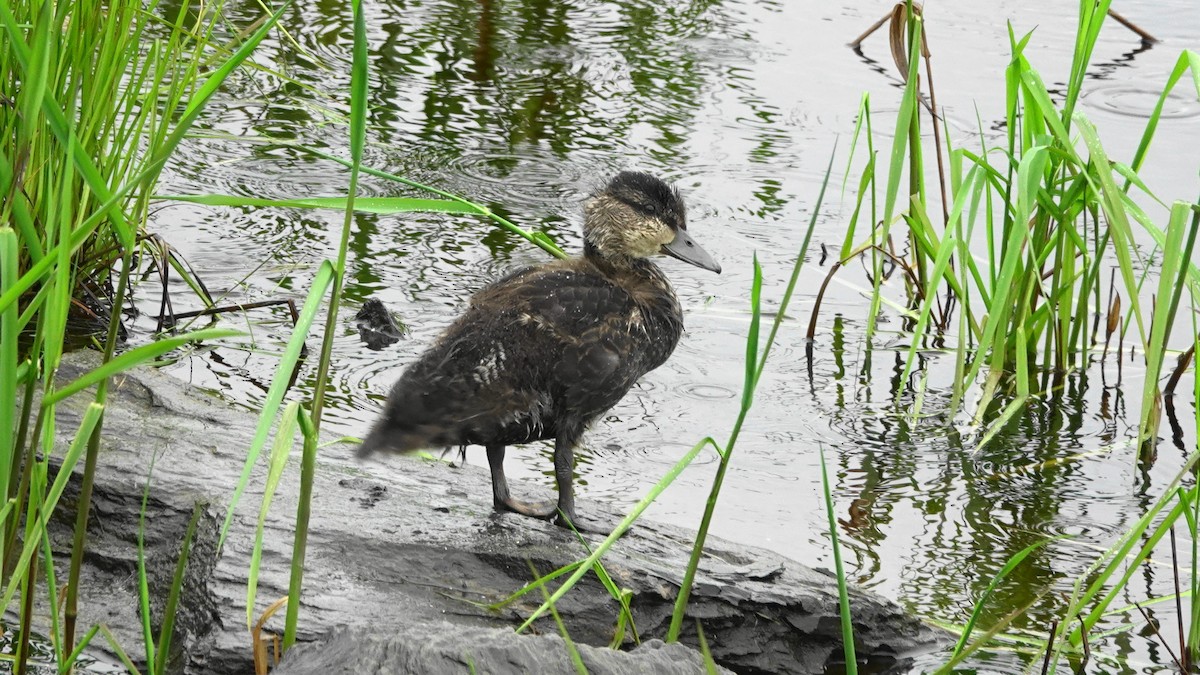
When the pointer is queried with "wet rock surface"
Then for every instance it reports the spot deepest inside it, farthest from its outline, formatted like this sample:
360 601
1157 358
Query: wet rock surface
446 648
401 554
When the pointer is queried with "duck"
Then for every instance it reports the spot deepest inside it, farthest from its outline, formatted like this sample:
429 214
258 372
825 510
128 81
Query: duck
544 351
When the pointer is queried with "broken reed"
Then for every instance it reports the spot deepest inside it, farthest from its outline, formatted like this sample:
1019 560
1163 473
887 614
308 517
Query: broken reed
96 98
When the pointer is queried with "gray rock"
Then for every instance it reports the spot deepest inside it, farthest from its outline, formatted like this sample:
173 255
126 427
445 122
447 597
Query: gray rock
446 648
399 546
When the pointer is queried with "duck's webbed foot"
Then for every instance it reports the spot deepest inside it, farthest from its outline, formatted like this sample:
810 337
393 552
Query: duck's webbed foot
544 510
585 526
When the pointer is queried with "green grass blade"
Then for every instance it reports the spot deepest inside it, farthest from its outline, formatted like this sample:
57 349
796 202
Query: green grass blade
999 577
168 624
786 300
359 102
52 592
752 368
534 585
995 329
279 385
539 239
67 664
572 650
896 166
751 365
997 424
1188 60
358 113
843 589
1171 283
308 462
710 665
280 451
142 577
908 105
941 264
136 357
116 647
622 597
377 205
621 528
751 349
864 107
1193 640
1118 223
90 419
9 330
1038 98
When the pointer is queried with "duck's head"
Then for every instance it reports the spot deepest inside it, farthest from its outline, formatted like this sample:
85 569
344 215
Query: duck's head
636 216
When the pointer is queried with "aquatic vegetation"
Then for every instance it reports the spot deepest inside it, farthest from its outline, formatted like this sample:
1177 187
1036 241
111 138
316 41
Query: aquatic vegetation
1050 216
1051 210
97 98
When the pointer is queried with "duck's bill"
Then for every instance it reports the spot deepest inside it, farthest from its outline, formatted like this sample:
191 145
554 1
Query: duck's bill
687 250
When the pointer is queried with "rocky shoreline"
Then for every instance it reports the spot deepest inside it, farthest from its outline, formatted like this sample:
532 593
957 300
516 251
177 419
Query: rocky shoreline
401 556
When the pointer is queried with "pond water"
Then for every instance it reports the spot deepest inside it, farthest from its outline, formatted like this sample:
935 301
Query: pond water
529 105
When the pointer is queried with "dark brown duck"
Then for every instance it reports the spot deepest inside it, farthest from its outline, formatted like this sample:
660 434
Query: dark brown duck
546 350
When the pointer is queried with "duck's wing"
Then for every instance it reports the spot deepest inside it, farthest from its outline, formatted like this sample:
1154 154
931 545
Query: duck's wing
589 331
566 303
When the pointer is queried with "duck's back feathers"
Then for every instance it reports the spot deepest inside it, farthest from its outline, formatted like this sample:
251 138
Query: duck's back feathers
542 351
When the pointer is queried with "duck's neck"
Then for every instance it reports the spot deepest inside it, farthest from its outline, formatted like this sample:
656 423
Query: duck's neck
659 315
592 252
617 263
640 276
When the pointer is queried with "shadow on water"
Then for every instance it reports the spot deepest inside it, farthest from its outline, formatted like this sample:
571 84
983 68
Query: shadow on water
527 106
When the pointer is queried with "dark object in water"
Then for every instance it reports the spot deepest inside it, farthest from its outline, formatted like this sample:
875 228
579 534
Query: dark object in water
376 327
544 351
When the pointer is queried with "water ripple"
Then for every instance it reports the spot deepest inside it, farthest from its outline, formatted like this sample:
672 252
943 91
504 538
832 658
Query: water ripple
1133 99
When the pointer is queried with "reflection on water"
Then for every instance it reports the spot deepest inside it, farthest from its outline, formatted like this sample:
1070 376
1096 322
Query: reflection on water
527 106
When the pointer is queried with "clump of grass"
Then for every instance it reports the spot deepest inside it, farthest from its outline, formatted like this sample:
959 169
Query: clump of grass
102 93
572 650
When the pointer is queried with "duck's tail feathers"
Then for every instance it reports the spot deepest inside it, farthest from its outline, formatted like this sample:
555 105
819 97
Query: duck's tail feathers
384 439
370 445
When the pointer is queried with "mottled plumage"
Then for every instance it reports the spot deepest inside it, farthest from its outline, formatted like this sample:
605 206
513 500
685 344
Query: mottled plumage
544 351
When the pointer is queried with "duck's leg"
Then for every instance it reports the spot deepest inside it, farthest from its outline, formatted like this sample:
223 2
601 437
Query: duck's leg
564 475
501 499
